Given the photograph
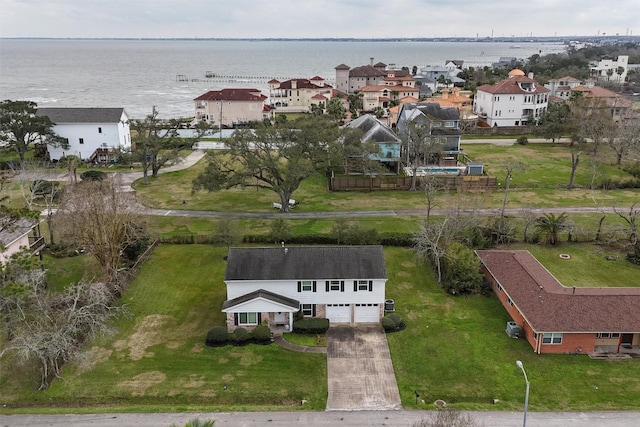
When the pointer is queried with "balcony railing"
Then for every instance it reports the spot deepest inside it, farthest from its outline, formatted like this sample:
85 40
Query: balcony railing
36 243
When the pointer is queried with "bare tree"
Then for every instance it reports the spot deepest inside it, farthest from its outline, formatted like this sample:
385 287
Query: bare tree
50 328
624 139
529 218
510 168
101 220
434 238
575 160
418 145
431 185
632 221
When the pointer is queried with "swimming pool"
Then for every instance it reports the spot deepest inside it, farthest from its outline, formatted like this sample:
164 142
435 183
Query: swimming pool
436 170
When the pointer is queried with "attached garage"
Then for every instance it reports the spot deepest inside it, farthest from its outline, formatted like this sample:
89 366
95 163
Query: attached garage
339 313
366 313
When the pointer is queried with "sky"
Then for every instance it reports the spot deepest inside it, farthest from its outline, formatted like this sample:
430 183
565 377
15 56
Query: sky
316 18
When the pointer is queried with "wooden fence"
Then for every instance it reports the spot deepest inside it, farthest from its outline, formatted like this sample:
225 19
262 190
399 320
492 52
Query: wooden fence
403 183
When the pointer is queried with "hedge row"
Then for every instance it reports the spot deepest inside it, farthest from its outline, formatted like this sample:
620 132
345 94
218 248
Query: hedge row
313 325
386 239
219 337
393 323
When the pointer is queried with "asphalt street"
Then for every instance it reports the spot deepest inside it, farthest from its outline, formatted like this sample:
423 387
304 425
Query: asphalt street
400 418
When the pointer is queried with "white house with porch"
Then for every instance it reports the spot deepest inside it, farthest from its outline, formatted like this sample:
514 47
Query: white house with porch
345 284
93 134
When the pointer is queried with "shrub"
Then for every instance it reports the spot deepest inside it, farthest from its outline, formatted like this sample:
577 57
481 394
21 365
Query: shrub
313 325
217 336
523 140
633 258
241 336
387 324
93 176
261 334
396 319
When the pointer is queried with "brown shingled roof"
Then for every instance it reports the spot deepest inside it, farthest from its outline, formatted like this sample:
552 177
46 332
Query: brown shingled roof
550 307
512 86
366 71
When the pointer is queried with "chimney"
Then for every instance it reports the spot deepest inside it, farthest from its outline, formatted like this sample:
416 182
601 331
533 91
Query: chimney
371 61
294 84
530 75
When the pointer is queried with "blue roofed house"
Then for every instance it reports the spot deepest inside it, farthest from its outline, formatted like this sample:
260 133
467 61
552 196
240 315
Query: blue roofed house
374 131
345 284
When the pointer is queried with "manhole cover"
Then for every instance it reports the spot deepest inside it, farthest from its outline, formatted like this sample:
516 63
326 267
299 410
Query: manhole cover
440 403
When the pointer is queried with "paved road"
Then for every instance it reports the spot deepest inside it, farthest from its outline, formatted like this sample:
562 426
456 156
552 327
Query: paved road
510 141
325 419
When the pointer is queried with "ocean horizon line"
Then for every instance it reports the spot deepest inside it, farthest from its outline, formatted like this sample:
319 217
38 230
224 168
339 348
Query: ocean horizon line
519 39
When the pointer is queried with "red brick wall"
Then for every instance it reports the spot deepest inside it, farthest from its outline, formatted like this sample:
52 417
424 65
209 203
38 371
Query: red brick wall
571 343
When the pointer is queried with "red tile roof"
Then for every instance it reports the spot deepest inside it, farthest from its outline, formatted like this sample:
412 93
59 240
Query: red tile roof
342 67
512 86
273 81
366 71
550 307
318 96
316 78
232 95
611 98
301 84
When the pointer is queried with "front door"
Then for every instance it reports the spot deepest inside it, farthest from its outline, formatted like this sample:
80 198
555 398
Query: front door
280 318
626 340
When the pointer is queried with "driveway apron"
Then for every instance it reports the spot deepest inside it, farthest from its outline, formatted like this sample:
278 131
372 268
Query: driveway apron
359 368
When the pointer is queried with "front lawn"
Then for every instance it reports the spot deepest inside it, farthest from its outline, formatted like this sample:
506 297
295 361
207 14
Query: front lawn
455 348
157 361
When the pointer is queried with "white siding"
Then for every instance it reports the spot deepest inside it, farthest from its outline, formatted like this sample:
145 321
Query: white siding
321 296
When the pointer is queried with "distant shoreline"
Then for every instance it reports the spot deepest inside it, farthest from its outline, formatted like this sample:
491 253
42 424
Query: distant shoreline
542 39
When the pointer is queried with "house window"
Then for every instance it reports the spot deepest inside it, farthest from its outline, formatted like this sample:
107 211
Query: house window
449 124
499 286
307 309
363 285
247 318
608 335
307 286
81 140
552 338
334 285
510 302
99 130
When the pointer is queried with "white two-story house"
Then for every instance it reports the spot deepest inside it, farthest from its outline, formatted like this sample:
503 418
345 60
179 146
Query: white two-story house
345 284
610 70
93 134
511 102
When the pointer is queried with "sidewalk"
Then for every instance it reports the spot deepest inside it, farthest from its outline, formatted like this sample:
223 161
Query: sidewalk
295 347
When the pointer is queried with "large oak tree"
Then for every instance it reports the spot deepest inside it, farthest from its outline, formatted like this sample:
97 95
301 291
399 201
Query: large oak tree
277 158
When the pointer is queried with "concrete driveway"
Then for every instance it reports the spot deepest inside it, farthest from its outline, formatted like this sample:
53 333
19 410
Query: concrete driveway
359 369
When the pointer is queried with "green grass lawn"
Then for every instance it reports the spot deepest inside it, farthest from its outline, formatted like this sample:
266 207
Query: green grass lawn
158 360
456 349
313 340
540 185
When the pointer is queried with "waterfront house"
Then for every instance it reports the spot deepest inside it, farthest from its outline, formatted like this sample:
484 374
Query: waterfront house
298 95
557 319
515 101
345 284
92 134
350 80
561 88
610 70
228 108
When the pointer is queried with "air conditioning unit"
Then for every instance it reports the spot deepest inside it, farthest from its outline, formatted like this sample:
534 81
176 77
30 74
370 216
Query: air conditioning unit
513 330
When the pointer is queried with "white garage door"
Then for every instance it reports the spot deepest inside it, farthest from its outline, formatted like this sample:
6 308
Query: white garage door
367 313
339 313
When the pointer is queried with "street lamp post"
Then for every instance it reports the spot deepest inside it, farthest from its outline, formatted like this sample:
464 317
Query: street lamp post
526 396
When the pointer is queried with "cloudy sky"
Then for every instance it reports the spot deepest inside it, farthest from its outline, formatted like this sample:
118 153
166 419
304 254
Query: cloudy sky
316 18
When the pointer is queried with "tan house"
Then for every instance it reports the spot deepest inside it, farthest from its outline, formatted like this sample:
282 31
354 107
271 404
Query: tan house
451 97
232 107
297 95
382 95
619 106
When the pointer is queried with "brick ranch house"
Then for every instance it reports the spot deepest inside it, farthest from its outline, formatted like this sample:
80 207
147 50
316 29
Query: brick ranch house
558 319
345 284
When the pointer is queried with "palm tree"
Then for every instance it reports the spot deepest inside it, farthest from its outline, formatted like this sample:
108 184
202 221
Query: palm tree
550 225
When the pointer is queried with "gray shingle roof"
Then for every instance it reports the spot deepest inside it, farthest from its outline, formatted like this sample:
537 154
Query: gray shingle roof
82 115
261 293
306 262
16 230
